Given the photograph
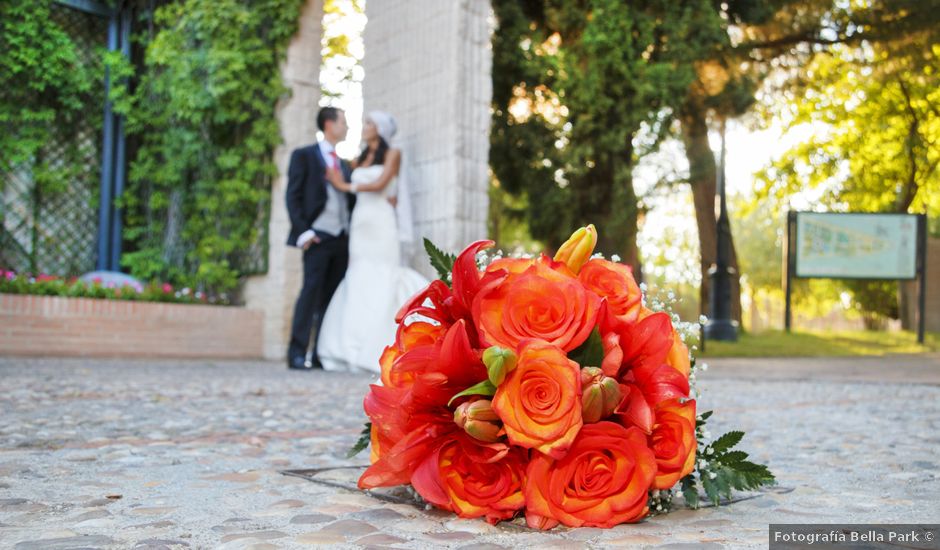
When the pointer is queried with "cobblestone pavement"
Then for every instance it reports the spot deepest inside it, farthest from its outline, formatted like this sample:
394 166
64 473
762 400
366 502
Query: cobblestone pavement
129 454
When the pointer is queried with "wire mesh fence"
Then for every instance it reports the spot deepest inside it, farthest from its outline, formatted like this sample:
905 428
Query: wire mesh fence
49 204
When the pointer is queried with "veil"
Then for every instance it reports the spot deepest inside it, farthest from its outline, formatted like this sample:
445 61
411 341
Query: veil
387 128
403 209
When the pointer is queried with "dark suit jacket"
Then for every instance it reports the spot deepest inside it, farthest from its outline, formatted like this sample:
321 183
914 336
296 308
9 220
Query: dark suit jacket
306 189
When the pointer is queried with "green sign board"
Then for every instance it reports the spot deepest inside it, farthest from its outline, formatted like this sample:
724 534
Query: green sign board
856 246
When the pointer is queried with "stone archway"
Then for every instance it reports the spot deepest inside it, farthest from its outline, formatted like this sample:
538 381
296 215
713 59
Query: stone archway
428 62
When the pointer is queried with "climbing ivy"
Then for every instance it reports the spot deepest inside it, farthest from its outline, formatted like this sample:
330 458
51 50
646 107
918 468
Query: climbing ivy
200 109
45 87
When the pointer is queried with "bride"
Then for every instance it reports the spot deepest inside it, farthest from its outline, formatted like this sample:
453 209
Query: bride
360 319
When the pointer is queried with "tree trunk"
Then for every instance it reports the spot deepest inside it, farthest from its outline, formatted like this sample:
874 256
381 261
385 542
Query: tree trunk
621 242
703 180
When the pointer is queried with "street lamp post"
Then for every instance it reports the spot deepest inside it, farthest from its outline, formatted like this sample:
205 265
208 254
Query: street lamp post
720 325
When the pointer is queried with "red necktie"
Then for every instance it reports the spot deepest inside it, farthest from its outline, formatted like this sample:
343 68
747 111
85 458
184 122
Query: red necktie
335 159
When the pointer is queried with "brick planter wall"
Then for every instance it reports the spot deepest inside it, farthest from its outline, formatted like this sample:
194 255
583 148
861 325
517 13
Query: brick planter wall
85 327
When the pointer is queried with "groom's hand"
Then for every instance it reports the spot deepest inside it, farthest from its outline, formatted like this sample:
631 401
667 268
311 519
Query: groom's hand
307 239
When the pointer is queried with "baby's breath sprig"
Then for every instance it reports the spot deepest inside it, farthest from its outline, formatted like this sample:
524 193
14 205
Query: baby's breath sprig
660 502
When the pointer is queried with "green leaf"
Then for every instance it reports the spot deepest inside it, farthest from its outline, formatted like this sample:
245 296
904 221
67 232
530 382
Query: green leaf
591 352
753 475
731 457
483 388
727 441
363 442
724 479
699 422
711 488
442 262
690 490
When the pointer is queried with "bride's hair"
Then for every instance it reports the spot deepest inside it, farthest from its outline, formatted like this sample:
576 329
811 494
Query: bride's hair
379 153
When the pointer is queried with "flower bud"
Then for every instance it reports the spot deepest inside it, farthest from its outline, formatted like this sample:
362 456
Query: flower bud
478 419
600 395
578 248
499 363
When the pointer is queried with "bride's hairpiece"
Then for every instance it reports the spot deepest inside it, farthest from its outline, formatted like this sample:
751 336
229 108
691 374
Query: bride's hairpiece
384 124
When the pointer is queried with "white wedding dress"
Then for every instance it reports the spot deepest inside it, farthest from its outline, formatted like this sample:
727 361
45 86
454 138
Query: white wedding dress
360 319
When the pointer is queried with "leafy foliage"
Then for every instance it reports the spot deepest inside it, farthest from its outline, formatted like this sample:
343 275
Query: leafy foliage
878 144
591 352
719 469
338 55
485 388
574 83
48 285
44 87
50 76
869 92
363 441
441 261
202 110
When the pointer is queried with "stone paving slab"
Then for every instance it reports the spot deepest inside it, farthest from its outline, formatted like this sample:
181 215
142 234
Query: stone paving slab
188 454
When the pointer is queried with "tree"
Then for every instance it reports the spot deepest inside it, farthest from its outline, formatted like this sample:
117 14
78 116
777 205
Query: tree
876 105
774 38
574 83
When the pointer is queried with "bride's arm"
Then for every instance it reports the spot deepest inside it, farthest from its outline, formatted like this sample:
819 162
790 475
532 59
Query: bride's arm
392 162
335 177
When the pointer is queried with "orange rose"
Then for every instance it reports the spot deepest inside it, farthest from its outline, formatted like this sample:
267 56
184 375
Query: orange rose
510 265
539 402
673 442
603 481
541 302
474 481
614 282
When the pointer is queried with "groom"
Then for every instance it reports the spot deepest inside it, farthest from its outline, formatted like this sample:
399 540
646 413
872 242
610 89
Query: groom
319 218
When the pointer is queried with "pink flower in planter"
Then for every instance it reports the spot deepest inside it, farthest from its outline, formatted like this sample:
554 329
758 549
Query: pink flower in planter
167 288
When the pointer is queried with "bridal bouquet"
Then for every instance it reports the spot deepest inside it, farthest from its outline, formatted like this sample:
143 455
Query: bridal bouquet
543 386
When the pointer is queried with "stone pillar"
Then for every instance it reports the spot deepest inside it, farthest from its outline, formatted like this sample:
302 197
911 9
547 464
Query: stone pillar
274 293
428 63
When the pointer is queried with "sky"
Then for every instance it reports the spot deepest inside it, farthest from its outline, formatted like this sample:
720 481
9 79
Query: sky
672 216
332 74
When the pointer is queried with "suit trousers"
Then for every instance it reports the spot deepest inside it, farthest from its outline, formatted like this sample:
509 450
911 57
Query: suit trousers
324 267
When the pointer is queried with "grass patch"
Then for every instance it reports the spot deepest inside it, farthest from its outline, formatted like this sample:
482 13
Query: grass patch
822 344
